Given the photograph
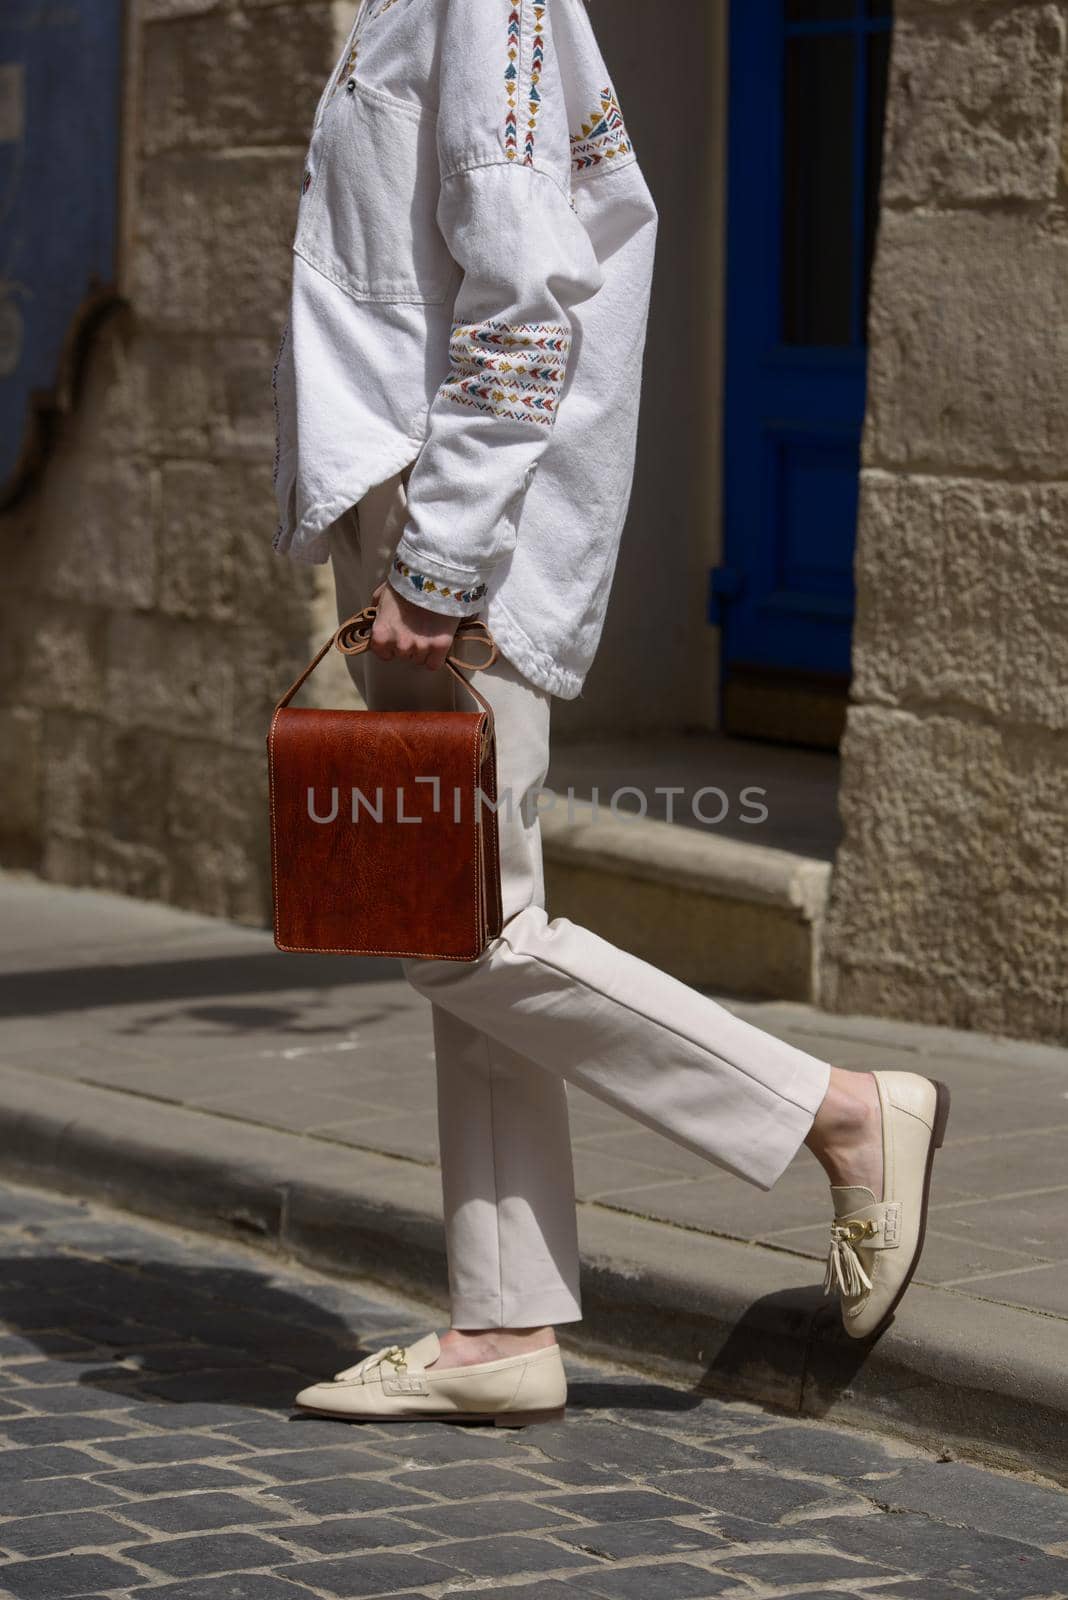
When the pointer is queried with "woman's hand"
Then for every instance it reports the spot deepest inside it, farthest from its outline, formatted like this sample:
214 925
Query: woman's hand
407 632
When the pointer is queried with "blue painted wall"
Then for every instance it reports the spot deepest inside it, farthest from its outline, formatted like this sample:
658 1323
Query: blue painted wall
60 85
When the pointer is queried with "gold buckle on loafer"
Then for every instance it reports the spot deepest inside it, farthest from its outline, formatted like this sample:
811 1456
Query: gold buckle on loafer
854 1232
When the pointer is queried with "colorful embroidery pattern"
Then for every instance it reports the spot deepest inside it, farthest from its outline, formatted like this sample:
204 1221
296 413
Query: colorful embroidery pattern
427 585
511 81
536 62
368 14
350 60
603 135
511 76
514 370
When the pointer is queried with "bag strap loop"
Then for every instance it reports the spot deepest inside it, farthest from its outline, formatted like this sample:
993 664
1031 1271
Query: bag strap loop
353 637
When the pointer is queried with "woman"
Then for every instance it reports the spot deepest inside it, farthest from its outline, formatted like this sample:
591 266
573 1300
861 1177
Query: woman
457 397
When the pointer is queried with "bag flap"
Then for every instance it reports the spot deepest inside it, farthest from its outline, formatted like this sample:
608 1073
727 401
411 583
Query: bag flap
376 831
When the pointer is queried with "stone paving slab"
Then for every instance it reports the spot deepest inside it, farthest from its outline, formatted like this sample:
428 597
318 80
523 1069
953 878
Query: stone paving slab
145 1007
154 1002
646 1490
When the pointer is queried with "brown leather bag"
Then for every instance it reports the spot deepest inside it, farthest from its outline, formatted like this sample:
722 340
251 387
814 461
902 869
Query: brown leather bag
381 843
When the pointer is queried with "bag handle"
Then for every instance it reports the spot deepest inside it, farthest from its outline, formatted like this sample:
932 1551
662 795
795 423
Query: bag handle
353 637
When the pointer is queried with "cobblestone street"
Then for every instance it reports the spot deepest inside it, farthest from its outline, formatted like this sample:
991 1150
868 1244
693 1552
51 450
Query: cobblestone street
145 1380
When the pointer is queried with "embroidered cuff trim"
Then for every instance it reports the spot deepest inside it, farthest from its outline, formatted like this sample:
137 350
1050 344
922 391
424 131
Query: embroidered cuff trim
513 370
426 585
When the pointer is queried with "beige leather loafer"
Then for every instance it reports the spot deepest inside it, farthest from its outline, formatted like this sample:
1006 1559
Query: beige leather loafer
396 1385
876 1244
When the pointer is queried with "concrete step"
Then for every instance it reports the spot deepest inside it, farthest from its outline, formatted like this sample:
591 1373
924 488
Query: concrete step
713 911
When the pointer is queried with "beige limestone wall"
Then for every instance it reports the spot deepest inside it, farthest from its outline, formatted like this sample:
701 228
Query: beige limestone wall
950 895
146 624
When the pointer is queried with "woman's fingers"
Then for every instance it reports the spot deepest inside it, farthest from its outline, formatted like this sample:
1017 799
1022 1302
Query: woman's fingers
407 647
406 632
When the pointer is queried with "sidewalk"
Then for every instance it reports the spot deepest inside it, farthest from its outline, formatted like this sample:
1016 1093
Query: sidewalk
183 1067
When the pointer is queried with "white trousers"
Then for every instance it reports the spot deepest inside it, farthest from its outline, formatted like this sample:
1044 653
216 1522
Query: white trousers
549 1003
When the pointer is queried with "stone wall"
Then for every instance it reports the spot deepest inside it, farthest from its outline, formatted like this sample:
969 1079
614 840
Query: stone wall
146 624
950 896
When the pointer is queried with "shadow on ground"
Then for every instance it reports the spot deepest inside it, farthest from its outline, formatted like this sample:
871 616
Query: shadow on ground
162 1331
33 994
769 1355
169 1332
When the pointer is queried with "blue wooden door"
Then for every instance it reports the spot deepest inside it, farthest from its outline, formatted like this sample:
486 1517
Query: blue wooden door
807 96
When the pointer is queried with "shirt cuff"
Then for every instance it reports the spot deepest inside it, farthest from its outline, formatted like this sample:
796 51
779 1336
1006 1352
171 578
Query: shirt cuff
436 587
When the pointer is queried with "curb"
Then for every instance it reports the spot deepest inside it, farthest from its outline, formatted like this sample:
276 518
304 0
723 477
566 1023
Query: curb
739 1320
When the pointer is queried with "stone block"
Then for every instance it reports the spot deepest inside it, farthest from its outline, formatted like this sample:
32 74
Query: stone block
245 426
95 860
86 533
127 868
166 10
218 830
143 392
208 1553
182 1477
381 1572
266 661
77 766
178 389
104 805
21 803
65 859
142 767
962 589
217 560
954 1492
165 673
274 593
327 1497
57 1576
214 238
949 901
969 345
109 415
235 77
54 653
95 536
199 501
974 110
191 1513
45 1536
340 19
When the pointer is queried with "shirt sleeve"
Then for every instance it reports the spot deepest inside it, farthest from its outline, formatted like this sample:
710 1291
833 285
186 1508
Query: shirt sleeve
506 214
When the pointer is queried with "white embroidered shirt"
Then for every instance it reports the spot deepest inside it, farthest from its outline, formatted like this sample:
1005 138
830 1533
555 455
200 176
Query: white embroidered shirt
471 276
